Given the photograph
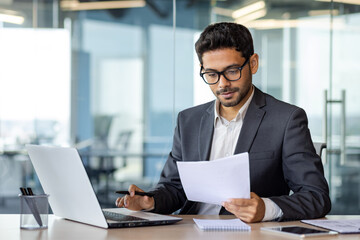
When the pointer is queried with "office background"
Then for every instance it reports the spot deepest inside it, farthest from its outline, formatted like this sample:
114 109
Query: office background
109 78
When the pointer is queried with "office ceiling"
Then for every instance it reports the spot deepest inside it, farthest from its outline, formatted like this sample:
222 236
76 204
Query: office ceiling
295 8
292 8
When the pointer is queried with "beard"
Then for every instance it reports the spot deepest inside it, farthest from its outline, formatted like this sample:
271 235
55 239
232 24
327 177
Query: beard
240 96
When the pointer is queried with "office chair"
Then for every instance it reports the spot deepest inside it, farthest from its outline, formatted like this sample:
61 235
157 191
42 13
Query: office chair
319 147
122 143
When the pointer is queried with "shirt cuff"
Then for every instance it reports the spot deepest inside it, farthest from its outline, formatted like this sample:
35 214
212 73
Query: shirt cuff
272 210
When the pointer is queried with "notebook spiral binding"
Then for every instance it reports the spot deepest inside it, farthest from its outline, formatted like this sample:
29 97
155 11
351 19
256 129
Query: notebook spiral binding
222 225
225 229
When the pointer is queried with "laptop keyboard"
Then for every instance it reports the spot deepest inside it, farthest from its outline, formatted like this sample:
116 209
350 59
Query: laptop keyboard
121 217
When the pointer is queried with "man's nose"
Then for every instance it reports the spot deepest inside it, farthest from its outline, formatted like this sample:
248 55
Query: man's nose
223 82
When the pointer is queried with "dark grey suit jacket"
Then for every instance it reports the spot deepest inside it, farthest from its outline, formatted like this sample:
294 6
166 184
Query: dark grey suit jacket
281 155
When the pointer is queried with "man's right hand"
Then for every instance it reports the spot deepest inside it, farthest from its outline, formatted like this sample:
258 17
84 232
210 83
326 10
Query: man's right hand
135 202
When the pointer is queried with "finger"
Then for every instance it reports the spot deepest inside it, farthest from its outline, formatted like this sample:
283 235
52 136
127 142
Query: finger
136 202
253 210
120 202
237 212
246 205
133 188
231 207
133 203
126 201
239 201
117 201
254 195
235 209
240 212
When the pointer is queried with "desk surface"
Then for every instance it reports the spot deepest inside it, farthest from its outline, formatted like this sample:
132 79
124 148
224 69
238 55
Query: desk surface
186 229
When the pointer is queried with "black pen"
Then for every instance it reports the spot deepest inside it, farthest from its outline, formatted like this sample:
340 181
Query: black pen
30 191
136 193
23 191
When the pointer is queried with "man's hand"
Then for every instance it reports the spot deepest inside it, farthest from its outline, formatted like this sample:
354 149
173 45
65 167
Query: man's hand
135 202
248 210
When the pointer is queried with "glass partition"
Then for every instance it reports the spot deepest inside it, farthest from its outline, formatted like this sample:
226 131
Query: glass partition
110 80
343 132
35 63
308 58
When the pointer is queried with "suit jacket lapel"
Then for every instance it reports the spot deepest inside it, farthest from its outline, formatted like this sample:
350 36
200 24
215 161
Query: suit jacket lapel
252 121
206 133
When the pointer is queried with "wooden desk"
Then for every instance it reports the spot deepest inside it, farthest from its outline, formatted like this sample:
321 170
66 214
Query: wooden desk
186 229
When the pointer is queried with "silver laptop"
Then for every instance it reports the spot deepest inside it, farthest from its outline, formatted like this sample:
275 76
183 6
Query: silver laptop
63 176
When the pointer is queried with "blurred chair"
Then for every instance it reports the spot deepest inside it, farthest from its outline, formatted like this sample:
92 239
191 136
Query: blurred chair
102 124
122 143
99 156
319 147
107 164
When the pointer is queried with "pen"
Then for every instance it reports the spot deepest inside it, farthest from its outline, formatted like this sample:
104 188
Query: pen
32 204
23 191
30 191
136 193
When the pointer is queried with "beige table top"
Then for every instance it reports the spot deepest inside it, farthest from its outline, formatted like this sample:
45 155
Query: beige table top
185 229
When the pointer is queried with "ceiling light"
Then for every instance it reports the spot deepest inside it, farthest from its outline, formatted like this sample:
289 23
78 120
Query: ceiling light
252 16
272 24
249 9
334 12
222 11
11 17
294 23
75 5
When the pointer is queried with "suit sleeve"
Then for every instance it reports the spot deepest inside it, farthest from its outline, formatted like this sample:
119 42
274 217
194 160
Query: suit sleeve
169 193
303 171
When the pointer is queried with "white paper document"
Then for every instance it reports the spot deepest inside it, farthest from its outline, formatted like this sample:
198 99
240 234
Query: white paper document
340 226
216 181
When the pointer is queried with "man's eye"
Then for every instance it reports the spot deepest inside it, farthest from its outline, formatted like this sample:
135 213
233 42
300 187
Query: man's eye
212 75
232 71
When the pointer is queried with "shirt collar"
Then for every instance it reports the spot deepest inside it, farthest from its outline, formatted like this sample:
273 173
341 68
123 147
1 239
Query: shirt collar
242 111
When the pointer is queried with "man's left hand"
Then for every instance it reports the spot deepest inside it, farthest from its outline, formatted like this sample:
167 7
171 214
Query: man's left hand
248 210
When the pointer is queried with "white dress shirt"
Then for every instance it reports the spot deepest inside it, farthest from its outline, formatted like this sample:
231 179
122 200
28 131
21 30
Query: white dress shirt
226 134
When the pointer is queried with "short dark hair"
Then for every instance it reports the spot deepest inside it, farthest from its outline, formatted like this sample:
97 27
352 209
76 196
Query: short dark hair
225 35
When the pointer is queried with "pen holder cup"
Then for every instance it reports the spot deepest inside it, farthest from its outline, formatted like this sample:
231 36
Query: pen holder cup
34 211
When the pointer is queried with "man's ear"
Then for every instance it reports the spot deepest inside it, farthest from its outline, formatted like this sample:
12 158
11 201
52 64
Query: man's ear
254 63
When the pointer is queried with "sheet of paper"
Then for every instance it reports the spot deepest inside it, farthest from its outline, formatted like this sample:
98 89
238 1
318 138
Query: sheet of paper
340 226
216 181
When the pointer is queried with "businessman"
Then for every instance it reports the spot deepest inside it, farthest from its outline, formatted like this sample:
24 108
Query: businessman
241 119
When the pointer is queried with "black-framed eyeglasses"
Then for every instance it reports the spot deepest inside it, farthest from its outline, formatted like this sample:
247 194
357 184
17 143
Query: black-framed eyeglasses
230 74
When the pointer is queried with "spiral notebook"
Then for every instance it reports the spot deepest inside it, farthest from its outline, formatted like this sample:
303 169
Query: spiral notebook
222 225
